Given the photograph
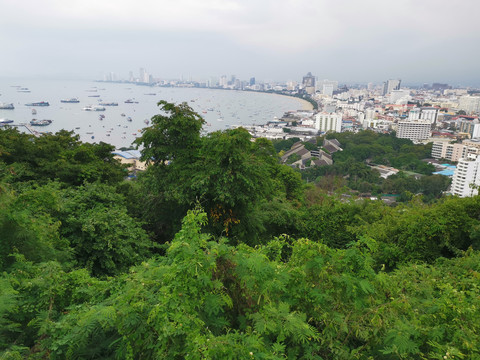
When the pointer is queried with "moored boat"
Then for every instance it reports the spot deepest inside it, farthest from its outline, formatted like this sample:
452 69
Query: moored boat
5 121
6 106
94 108
72 100
108 104
41 103
44 122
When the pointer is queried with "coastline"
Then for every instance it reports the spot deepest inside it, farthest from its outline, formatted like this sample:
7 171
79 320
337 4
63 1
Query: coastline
305 104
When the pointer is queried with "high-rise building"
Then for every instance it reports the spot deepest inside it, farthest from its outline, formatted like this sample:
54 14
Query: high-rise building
308 83
471 127
414 130
470 104
451 152
466 178
429 114
391 85
414 114
144 77
325 122
252 81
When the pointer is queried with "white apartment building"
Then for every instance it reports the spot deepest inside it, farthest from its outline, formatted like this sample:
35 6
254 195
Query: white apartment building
429 114
466 177
469 104
414 130
396 95
414 114
328 122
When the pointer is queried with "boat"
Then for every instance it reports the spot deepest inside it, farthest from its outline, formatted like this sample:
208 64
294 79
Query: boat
6 106
44 122
150 94
130 101
146 121
89 132
93 95
129 118
25 90
101 117
108 104
41 103
5 121
72 100
34 112
122 114
94 108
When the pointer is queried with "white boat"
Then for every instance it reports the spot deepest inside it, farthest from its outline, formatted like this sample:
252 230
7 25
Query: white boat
6 106
94 108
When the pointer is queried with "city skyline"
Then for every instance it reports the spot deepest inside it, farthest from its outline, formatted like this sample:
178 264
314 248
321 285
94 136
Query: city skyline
281 40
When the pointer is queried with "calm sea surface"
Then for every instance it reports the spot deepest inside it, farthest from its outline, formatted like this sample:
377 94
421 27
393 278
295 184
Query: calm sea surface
220 108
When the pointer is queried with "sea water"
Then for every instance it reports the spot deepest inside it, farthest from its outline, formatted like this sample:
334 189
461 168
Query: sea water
221 109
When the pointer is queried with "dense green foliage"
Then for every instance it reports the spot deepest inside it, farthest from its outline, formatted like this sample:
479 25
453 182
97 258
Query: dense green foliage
352 166
219 252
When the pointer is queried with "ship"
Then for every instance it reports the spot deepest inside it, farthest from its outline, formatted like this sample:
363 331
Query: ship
25 90
108 104
94 108
44 122
34 112
6 106
5 121
130 101
72 100
41 103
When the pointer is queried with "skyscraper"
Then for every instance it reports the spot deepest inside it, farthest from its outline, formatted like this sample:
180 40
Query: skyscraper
308 80
391 85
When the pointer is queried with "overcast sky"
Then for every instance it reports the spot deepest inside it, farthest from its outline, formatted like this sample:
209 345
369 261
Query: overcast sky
347 40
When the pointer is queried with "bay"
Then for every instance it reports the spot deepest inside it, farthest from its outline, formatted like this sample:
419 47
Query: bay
221 109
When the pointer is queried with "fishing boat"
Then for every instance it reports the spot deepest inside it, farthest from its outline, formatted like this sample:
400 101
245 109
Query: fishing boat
129 118
34 112
108 104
